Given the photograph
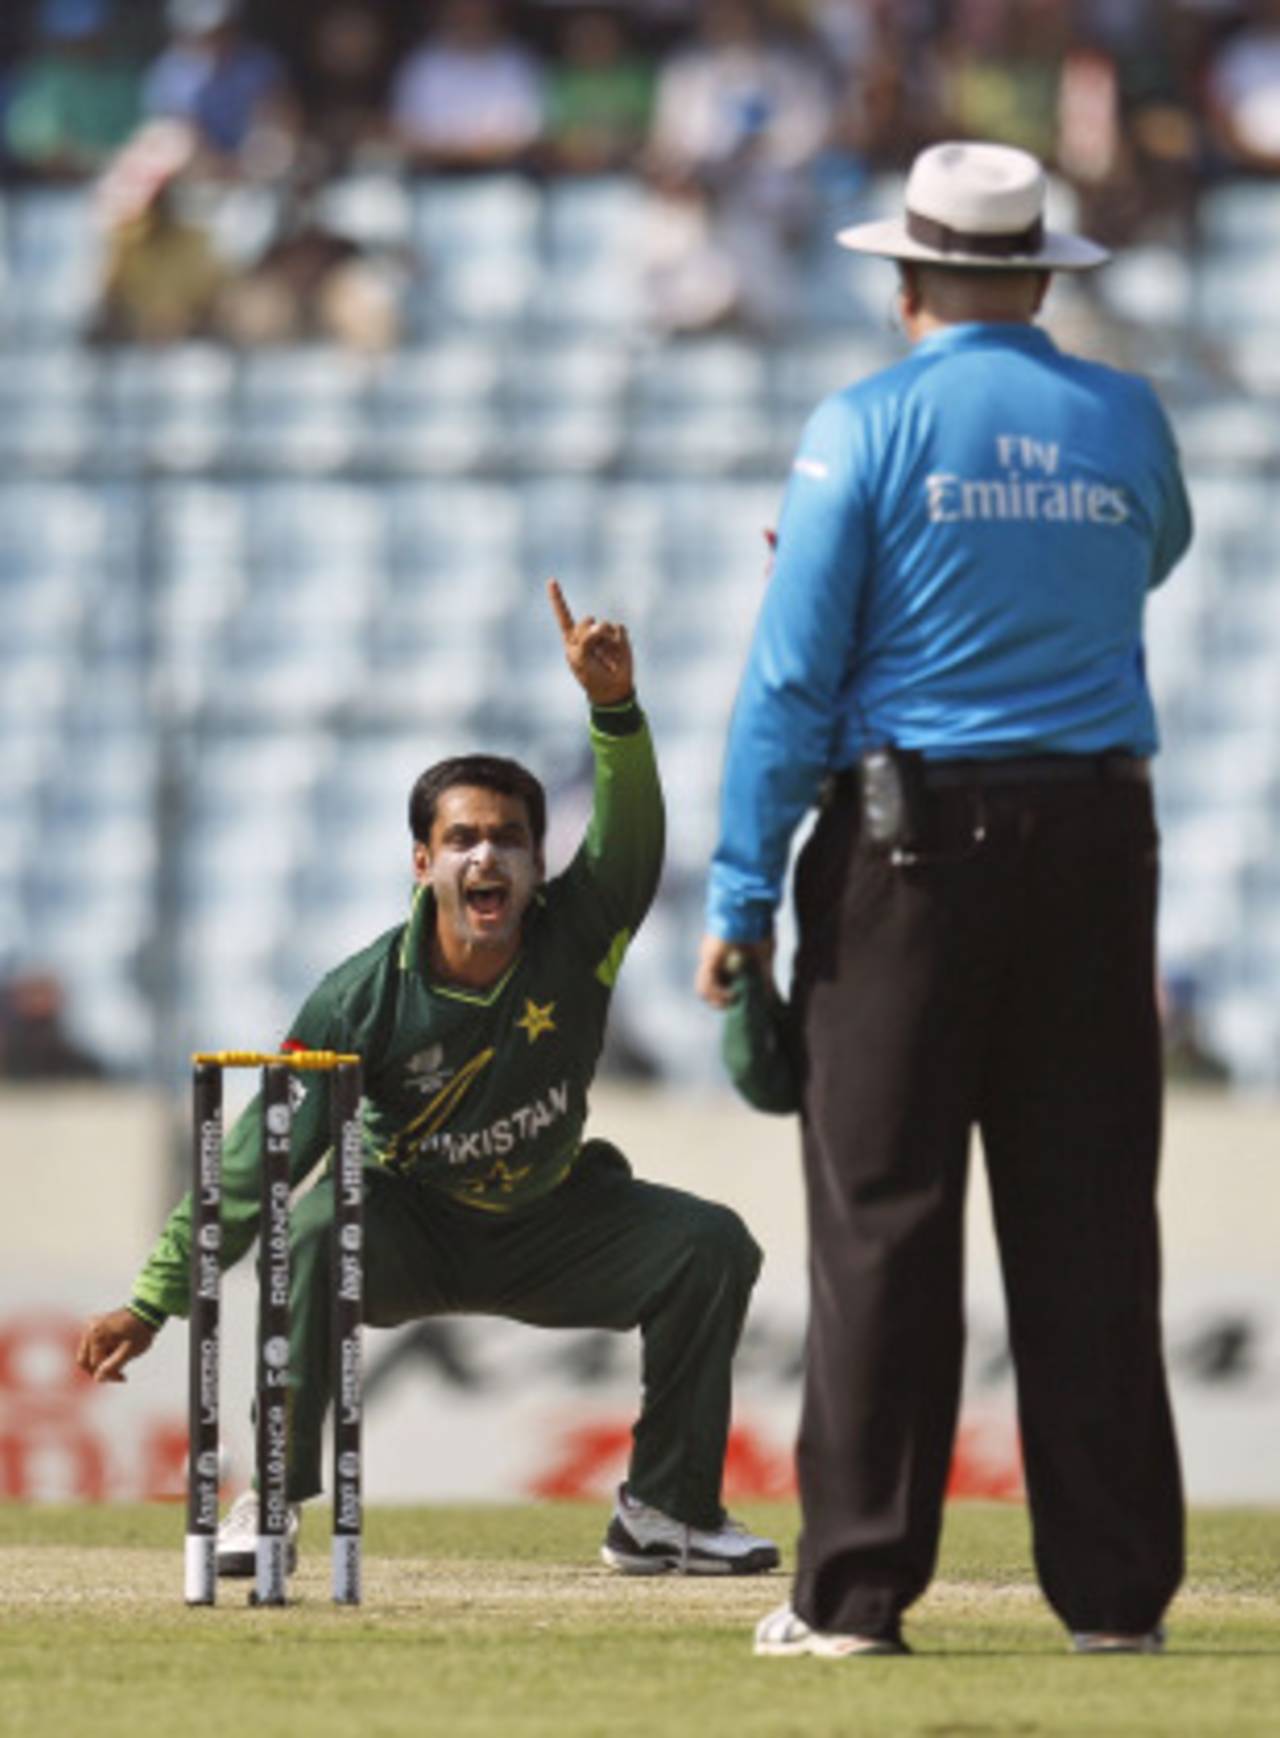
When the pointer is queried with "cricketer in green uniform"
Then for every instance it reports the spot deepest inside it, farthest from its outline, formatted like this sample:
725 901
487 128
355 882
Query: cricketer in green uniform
480 1022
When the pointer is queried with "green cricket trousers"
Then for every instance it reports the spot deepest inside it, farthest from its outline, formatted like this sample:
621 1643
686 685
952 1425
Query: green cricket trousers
602 1250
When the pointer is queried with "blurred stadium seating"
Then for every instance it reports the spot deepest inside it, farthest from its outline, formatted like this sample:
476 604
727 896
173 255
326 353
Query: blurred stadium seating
247 598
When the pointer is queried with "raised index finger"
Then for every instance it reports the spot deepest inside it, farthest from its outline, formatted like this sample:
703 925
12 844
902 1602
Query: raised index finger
563 613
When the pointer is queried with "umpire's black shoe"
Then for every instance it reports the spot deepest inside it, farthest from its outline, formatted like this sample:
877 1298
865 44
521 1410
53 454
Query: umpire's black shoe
644 1541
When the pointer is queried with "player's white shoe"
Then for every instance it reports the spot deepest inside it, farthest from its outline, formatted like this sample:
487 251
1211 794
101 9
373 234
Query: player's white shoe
644 1541
236 1551
784 1635
1093 1641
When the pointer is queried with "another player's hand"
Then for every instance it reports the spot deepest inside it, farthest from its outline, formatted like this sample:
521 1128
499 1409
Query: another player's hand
719 962
598 653
110 1342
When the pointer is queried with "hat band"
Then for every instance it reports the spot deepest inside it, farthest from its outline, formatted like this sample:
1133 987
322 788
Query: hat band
943 239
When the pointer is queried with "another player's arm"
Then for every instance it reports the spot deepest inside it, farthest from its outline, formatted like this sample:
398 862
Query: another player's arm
162 1289
621 855
781 731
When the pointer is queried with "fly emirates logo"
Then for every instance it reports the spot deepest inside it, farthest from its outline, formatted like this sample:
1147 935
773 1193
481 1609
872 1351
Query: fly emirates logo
1026 486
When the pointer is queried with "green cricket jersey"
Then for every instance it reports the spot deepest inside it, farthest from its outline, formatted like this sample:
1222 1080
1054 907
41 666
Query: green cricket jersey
479 1094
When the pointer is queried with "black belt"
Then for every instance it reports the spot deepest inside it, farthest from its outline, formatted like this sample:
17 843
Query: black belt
1038 769
1112 768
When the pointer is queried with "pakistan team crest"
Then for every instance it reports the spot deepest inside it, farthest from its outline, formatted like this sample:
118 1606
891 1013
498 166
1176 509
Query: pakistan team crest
426 1072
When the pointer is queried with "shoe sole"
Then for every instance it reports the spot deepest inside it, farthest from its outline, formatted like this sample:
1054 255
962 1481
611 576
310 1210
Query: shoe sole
823 1647
243 1564
665 1563
1149 1649
820 1647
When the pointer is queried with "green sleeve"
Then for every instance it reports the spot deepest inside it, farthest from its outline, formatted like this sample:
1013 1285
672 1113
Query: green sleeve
162 1287
33 125
615 873
56 109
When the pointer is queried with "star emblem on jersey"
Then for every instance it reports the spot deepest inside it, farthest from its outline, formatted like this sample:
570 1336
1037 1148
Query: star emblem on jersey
536 1020
500 1177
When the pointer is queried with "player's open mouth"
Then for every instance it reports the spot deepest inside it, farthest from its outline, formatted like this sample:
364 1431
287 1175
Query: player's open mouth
487 903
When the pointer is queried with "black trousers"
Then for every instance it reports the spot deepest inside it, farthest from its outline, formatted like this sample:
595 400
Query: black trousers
1007 983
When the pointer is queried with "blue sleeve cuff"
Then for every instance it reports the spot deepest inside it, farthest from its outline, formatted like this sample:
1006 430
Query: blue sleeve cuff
730 921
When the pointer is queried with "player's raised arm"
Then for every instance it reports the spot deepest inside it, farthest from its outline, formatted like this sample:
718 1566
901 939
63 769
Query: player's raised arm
598 653
615 872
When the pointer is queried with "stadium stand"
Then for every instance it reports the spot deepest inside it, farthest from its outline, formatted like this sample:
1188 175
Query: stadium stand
246 597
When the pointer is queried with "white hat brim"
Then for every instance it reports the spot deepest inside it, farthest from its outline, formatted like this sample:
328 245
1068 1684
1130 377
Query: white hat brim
890 239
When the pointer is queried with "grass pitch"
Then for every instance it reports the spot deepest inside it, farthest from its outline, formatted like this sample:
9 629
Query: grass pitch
502 1620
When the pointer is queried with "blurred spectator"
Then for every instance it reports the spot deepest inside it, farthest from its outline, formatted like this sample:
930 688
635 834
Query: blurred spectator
884 98
344 84
74 101
34 1044
738 103
740 118
654 26
313 283
1128 135
847 30
471 97
1244 93
15 37
233 91
165 280
7 164
163 277
599 96
1000 63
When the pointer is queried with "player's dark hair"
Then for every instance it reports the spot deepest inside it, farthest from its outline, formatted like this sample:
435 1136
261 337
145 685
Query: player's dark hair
992 277
490 772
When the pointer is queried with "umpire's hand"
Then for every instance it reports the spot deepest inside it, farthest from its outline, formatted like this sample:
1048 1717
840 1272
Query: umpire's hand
599 653
719 963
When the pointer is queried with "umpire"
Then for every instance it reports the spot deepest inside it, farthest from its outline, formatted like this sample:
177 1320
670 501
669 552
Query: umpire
949 659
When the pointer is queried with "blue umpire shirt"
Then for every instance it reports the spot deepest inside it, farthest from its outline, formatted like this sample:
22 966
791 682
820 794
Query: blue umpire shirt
964 552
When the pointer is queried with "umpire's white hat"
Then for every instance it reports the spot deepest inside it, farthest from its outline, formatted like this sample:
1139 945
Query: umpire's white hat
979 206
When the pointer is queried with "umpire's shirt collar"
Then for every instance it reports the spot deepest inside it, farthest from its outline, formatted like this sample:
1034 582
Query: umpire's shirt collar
968 334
